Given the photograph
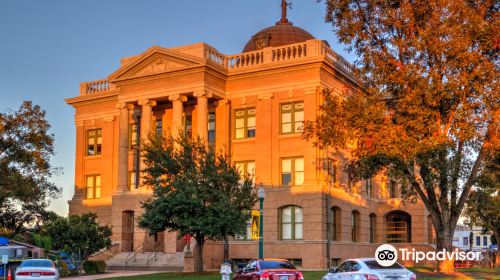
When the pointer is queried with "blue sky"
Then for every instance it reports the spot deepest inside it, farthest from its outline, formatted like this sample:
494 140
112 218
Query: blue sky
48 47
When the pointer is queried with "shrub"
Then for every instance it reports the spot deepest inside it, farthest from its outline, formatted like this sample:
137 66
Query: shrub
63 268
94 267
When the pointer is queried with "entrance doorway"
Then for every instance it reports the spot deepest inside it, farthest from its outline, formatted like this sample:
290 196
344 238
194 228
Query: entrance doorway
128 223
398 228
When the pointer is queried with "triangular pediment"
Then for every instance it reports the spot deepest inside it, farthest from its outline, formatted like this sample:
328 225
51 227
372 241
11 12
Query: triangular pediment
154 61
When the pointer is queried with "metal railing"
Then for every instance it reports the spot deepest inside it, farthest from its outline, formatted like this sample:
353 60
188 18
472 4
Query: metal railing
153 255
134 253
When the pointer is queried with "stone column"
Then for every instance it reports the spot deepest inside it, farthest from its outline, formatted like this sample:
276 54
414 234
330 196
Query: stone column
122 182
177 107
202 113
146 117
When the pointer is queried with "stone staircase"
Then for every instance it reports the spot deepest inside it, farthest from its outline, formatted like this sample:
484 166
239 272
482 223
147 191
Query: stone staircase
146 261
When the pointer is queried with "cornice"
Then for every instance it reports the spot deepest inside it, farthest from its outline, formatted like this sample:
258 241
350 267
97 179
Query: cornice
92 98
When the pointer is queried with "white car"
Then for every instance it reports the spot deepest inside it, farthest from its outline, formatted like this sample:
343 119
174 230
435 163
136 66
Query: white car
39 269
368 269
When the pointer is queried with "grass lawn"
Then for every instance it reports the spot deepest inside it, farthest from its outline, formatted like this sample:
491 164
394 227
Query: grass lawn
422 273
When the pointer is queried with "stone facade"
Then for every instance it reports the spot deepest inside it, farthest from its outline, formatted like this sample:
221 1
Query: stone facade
195 87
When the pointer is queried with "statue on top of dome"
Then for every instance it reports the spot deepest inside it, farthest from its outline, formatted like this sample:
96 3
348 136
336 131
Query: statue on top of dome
284 6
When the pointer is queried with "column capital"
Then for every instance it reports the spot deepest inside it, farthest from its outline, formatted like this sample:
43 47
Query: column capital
147 102
121 105
177 97
202 93
130 106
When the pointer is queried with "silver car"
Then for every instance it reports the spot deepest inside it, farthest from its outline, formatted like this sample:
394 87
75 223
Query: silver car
368 269
39 269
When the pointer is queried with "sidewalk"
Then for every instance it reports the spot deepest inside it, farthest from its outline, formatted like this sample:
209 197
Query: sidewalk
110 274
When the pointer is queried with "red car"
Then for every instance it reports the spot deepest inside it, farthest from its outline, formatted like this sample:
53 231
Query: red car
268 269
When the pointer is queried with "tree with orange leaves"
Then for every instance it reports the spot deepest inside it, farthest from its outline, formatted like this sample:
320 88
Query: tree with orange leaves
429 105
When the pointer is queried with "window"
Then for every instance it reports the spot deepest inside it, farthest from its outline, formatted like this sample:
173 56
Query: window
355 226
211 128
292 171
244 126
392 189
159 126
336 223
349 183
94 142
296 262
485 240
292 117
246 168
466 241
291 223
332 172
478 240
188 126
93 185
132 136
369 187
334 262
131 180
373 224
398 227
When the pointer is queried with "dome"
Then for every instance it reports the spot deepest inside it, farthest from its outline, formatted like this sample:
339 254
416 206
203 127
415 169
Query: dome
283 33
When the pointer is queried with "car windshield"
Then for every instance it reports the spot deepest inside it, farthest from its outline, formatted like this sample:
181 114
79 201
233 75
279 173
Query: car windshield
375 265
36 263
276 265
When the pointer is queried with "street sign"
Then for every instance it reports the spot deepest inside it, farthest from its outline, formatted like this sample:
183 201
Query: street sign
5 259
255 224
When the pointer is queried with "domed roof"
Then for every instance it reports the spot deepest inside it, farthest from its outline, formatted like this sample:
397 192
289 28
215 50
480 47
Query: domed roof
283 33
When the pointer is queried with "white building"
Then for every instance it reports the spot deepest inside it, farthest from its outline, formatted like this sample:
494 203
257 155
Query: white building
462 238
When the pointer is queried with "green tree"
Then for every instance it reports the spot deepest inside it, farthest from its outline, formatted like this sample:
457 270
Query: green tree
426 105
483 206
79 236
25 150
196 191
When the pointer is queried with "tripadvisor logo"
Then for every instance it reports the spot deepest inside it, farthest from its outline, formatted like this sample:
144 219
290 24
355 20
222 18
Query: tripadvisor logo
387 255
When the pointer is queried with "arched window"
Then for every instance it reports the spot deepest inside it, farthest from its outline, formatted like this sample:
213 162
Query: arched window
355 226
398 227
373 225
335 223
291 222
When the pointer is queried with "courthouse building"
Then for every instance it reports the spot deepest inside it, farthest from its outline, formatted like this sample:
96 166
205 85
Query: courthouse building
252 105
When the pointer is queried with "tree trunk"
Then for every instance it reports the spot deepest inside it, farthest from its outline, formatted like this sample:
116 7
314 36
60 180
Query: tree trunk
226 248
198 261
444 240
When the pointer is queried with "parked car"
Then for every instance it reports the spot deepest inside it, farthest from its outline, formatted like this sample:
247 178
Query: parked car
39 269
268 269
368 269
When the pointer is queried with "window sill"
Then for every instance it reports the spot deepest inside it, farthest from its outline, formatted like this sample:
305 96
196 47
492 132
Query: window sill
93 156
243 140
290 135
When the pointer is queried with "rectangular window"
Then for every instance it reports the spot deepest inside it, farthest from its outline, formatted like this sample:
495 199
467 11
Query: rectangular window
332 172
94 142
131 180
349 183
188 126
211 128
485 240
159 126
392 189
132 139
478 240
292 117
93 186
292 171
369 187
244 123
246 168
466 241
